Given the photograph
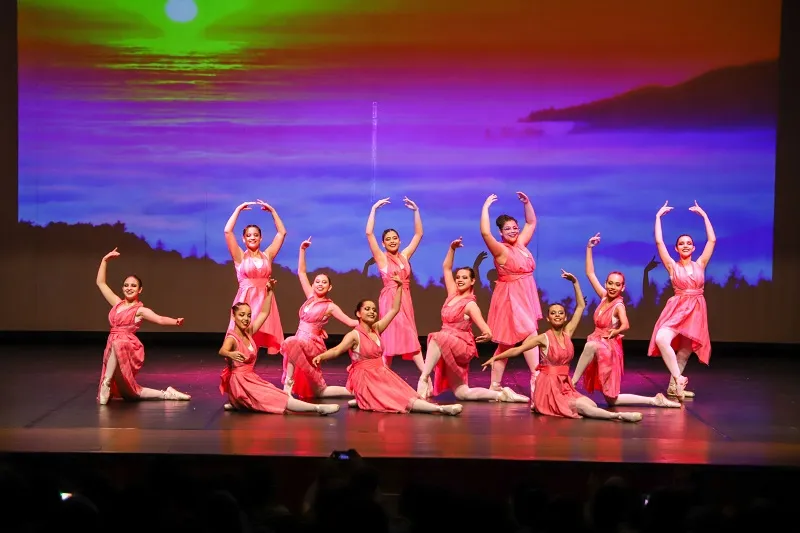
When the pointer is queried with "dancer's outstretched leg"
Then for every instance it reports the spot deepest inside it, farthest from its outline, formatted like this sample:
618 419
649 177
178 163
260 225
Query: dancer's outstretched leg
586 407
299 406
423 406
664 338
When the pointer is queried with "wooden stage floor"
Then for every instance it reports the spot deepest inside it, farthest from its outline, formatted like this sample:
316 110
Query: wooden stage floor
746 414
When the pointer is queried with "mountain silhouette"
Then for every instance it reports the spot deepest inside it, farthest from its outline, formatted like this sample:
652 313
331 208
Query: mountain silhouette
743 96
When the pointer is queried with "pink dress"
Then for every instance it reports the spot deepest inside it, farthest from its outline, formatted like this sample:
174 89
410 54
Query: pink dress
456 343
515 306
400 337
554 394
686 313
128 349
253 291
244 388
305 345
605 371
375 387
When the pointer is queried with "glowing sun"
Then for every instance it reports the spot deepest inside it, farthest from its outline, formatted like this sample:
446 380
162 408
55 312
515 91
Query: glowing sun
181 10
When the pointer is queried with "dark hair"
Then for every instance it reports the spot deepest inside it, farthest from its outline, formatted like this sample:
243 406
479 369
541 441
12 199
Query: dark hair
383 235
618 273
247 227
502 219
683 235
326 276
562 306
468 269
361 303
237 305
137 278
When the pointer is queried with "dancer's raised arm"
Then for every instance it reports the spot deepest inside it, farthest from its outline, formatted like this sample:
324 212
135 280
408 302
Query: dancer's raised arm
526 234
230 238
497 250
711 237
274 247
108 294
447 267
580 303
663 253
348 341
409 250
265 309
382 324
377 253
301 269
533 341
596 285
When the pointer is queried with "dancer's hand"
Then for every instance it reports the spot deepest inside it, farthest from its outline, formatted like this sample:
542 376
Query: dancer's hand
664 210
179 321
316 361
697 209
523 197
264 206
484 337
237 356
397 280
305 244
569 277
651 265
456 243
593 241
111 255
410 204
614 333
488 363
381 203
492 198
245 206
271 284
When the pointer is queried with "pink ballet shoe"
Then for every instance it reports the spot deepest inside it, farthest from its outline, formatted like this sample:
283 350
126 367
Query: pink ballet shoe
659 400
105 392
172 394
514 397
452 410
630 417
229 407
680 387
352 404
325 409
672 389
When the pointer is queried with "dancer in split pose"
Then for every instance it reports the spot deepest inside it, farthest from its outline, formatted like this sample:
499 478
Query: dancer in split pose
303 378
451 349
683 324
246 391
400 338
602 362
124 353
375 386
515 308
554 393
253 270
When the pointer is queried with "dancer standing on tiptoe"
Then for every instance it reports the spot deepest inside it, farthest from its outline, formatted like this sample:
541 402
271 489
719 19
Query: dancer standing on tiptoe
683 324
302 378
253 271
515 308
401 337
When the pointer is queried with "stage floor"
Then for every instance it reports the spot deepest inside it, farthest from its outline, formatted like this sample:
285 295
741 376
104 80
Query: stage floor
745 413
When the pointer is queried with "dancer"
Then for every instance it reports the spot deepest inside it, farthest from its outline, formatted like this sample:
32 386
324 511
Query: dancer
124 353
554 393
302 378
401 337
246 391
253 270
515 308
375 386
451 349
601 364
683 324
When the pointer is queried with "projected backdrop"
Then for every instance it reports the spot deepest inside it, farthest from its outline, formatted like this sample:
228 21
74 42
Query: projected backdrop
165 115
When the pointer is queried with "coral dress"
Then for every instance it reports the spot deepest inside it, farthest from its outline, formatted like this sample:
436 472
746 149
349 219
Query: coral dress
554 394
305 345
686 313
605 371
253 291
128 348
244 388
375 387
515 306
456 343
400 337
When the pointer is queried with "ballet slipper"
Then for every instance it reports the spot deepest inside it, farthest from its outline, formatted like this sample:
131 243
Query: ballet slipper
680 387
452 410
172 394
514 397
672 390
324 409
105 392
352 403
659 400
229 407
630 417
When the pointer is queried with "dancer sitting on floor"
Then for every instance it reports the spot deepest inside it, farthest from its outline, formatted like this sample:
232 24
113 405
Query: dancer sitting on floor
246 391
124 353
302 378
375 386
451 349
554 393
602 362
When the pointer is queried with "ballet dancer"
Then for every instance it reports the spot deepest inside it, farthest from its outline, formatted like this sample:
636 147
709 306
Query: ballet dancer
375 386
302 378
253 270
451 349
515 308
245 389
401 337
683 324
124 353
602 362
554 393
